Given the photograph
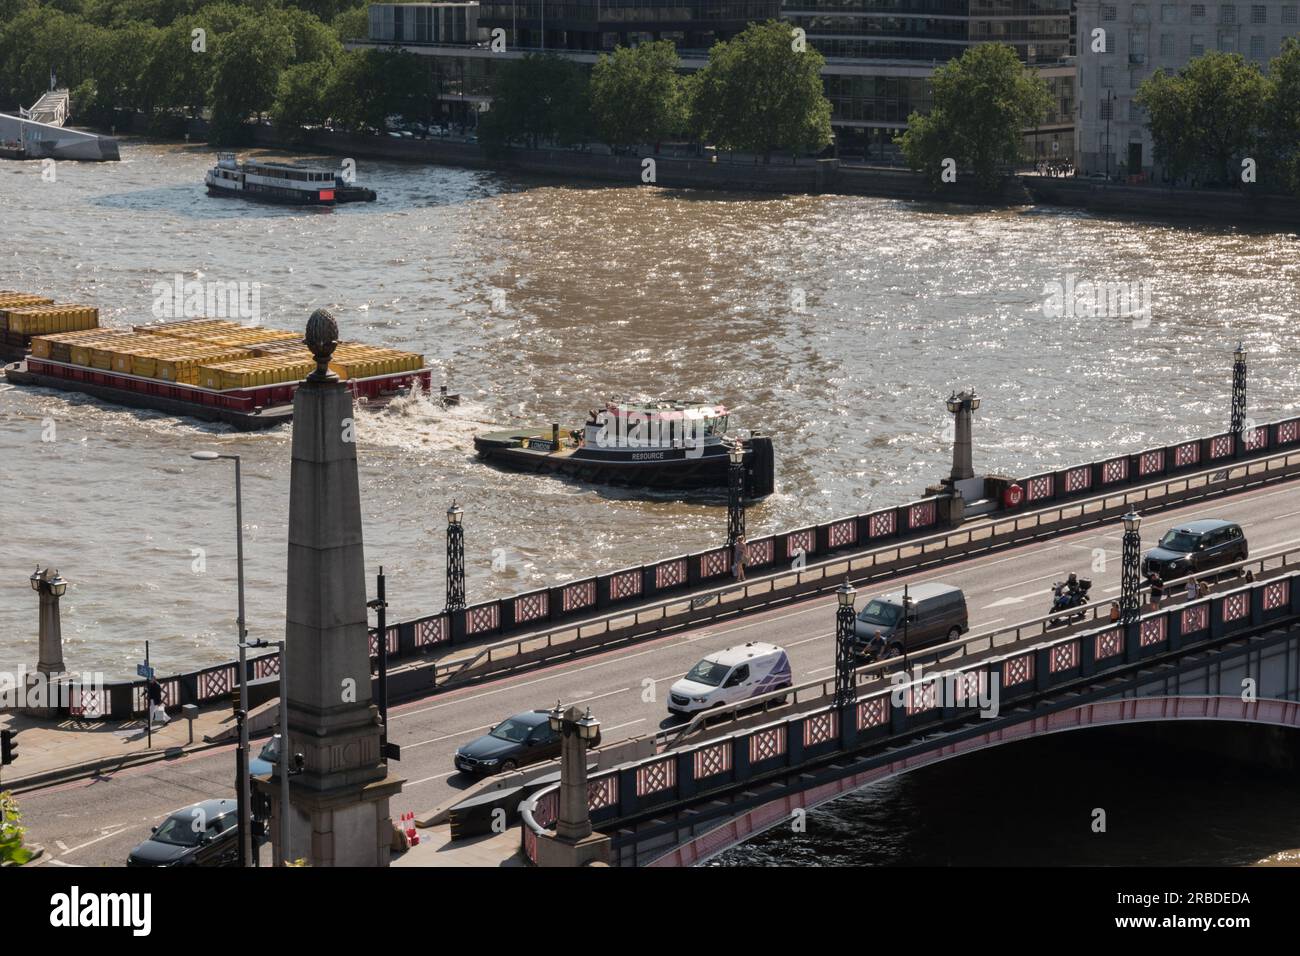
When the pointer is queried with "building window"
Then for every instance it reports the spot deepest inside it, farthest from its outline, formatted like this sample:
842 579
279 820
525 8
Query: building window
1257 48
1105 108
1166 46
1258 13
1139 13
1108 11
1168 13
1198 13
1198 46
1227 13
1288 14
1227 42
1108 76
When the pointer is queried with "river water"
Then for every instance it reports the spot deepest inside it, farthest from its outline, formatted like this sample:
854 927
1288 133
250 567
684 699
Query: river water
835 323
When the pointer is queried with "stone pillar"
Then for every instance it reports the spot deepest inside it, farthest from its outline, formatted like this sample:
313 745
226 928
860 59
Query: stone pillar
962 405
339 814
574 843
50 652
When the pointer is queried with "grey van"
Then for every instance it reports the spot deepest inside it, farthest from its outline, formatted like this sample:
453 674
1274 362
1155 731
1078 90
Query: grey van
938 616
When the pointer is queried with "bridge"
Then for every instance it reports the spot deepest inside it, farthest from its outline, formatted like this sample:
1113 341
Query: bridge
1234 656
39 133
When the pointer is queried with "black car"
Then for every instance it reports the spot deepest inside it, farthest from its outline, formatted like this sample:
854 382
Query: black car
1196 547
205 834
522 739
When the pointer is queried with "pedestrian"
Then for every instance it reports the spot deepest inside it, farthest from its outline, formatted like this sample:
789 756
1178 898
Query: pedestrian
1114 611
156 708
1157 588
738 556
1193 589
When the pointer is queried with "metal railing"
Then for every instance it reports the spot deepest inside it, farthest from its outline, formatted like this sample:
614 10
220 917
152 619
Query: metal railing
964 647
735 597
707 770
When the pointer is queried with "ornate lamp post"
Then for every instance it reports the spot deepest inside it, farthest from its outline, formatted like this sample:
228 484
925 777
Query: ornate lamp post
735 493
1129 584
844 618
245 824
1238 395
455 558
573 825
907 620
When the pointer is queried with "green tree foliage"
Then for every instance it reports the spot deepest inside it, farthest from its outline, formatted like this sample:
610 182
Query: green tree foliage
981 105
246 74
1282 122
1206 115
12 851
637 96
300 98
351 24
535 100
760 92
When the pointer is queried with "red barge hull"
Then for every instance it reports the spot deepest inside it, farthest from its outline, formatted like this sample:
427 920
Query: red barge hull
246 409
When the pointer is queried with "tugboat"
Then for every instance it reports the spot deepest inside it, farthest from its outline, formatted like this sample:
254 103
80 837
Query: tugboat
667 446
281 183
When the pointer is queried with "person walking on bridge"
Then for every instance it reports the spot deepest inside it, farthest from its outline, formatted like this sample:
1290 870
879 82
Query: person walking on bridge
1157 589
739 552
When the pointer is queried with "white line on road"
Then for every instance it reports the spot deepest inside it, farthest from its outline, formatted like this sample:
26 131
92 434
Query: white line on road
96 840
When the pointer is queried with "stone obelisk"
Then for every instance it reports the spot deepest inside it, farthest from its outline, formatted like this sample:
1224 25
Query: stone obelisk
339 814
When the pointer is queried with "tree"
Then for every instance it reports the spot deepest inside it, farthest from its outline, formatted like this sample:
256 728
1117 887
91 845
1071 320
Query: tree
352 24
300 99
762 91
12 851
637 96
537 99
1282 148
981 104
246 74
1206 115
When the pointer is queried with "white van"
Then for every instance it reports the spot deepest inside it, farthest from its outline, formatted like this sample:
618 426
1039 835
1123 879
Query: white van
731 676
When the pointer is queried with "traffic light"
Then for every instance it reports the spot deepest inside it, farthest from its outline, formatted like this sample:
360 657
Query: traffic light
8 747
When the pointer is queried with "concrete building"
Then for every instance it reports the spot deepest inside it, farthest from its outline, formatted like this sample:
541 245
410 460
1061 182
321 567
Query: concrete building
880 53
424 22
1142 37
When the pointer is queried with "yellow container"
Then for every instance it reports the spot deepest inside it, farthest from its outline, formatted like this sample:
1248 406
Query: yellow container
46 319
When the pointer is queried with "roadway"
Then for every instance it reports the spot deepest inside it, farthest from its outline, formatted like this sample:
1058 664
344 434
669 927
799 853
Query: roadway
96 822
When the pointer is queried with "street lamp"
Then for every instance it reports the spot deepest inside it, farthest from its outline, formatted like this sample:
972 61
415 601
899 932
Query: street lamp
245 825
455 558
1238 393
1129 585
284 763
735 493
907 620
844 617
962 405
578 733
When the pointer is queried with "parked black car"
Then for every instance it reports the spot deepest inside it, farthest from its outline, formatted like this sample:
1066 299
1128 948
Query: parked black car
522 739
1196 547
205 834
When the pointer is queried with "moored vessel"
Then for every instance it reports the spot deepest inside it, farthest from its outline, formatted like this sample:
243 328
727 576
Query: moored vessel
211 369
282 183
663 446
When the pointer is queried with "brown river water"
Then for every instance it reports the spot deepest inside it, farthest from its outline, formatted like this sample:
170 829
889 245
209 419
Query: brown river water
835 323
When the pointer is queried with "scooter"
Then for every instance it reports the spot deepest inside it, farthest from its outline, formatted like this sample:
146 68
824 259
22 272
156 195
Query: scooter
1064 598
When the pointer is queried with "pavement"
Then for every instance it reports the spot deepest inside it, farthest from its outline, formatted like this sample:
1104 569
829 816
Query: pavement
626 686
436 849
69 747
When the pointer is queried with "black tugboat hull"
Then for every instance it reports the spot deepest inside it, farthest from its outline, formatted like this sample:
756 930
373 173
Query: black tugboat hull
666 470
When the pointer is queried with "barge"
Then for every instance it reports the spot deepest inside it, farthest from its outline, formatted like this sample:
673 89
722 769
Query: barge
282 183
210 369
662 446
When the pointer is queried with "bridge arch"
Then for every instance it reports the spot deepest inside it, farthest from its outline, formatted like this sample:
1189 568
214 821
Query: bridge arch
1276 713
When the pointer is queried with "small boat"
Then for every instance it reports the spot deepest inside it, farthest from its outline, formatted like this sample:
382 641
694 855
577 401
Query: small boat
282 183
667 445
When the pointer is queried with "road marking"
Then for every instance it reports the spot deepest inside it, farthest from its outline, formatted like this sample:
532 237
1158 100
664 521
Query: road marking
436 776
1041 577
461 733
54 862
61 845
639 720
94 841
1005 601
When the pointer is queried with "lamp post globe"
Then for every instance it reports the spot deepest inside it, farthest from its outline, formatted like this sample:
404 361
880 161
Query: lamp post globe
36 578
58 586
556 718
588 727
